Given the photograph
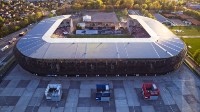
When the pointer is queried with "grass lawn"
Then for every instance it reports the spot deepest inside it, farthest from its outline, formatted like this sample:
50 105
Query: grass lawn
99 36
193 42
187 30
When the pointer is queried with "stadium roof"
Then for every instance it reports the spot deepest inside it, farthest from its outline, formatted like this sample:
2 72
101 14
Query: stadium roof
39 44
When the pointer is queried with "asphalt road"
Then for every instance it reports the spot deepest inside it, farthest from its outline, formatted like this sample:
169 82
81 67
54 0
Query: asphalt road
4 41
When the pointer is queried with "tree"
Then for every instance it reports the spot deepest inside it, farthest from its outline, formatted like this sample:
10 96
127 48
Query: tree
196 56
125 12
150 7
50 15
194 13
156 5
128 3
109 8
77 6
24 23
117 3
78 1
109 2
38 15
4 31
16 28
147 1
31 18
2 4
1 21
103 7
88 4
136 6
143 11
78 27
97 4
144 6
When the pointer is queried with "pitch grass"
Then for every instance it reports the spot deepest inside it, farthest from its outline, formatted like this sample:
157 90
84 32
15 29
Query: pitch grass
193 42
99 36
187 30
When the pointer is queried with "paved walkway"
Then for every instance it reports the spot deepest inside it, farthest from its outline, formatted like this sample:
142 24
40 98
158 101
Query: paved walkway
22 91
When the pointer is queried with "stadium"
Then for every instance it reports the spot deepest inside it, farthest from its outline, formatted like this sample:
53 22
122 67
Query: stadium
155 50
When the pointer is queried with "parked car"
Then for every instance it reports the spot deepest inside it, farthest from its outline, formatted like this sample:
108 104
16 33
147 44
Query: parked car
21 34
12 41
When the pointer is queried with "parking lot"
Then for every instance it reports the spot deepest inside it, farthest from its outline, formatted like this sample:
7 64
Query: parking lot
21 91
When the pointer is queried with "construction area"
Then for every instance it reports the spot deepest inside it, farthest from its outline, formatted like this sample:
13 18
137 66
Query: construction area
21 91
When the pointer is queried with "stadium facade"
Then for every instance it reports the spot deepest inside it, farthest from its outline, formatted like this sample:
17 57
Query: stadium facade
161 53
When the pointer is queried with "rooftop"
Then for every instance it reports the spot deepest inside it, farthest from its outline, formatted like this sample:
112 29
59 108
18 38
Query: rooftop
183 16
160 18
104 17
194 21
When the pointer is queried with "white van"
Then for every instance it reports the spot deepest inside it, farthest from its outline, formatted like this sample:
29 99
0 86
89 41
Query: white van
4 48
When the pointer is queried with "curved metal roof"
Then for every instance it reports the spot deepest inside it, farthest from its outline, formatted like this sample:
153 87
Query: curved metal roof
39 44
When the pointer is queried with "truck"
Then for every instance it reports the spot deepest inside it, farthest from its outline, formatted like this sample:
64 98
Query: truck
53 92
150 91
102 92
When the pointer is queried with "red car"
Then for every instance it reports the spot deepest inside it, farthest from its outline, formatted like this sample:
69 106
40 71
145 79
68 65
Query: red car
150 91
